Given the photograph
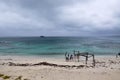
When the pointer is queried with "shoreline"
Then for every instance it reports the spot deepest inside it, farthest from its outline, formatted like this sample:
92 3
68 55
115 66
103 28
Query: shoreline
49 56
56 60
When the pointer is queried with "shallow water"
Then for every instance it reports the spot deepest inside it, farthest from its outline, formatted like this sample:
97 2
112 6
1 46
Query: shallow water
59 45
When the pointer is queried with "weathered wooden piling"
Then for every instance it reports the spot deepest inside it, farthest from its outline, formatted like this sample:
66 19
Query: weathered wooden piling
93 60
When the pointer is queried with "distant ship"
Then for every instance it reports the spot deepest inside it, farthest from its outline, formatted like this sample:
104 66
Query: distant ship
42 36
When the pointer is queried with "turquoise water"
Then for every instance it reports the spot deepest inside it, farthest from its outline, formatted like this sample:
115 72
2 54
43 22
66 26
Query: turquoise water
59 45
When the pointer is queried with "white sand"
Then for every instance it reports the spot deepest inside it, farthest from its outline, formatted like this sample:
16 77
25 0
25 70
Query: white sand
107 68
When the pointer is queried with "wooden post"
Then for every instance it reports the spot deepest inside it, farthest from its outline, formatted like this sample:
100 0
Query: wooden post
65 56
86 59
74 55
78 56
93 60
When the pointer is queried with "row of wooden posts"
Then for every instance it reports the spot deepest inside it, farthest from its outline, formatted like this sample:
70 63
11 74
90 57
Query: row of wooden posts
77 54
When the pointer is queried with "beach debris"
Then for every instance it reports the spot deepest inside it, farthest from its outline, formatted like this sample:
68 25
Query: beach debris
45 64
1 75
19 78
18 64
4 76
26 79
57 65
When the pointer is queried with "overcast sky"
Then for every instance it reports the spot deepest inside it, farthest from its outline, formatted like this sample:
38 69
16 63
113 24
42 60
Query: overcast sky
59 17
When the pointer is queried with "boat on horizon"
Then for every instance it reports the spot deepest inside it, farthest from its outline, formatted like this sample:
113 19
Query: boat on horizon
42 36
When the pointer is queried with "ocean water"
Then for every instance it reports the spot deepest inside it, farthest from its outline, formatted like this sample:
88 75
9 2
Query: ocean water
59 45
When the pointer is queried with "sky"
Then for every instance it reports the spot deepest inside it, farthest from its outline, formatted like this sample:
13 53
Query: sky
59 17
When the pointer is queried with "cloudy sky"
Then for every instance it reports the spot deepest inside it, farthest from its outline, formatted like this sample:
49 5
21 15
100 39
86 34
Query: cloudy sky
59 17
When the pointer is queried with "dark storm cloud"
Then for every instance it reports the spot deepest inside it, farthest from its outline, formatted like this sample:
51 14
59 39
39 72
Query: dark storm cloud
59 17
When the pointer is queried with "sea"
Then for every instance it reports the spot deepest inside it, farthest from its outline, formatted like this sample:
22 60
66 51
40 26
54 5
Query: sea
57 46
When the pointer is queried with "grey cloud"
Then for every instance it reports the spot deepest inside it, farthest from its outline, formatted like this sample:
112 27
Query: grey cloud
58 17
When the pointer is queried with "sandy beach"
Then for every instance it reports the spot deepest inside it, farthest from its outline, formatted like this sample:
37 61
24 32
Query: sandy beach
37 68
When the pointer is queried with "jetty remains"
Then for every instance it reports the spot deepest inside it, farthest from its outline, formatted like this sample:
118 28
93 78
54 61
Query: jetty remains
77 54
